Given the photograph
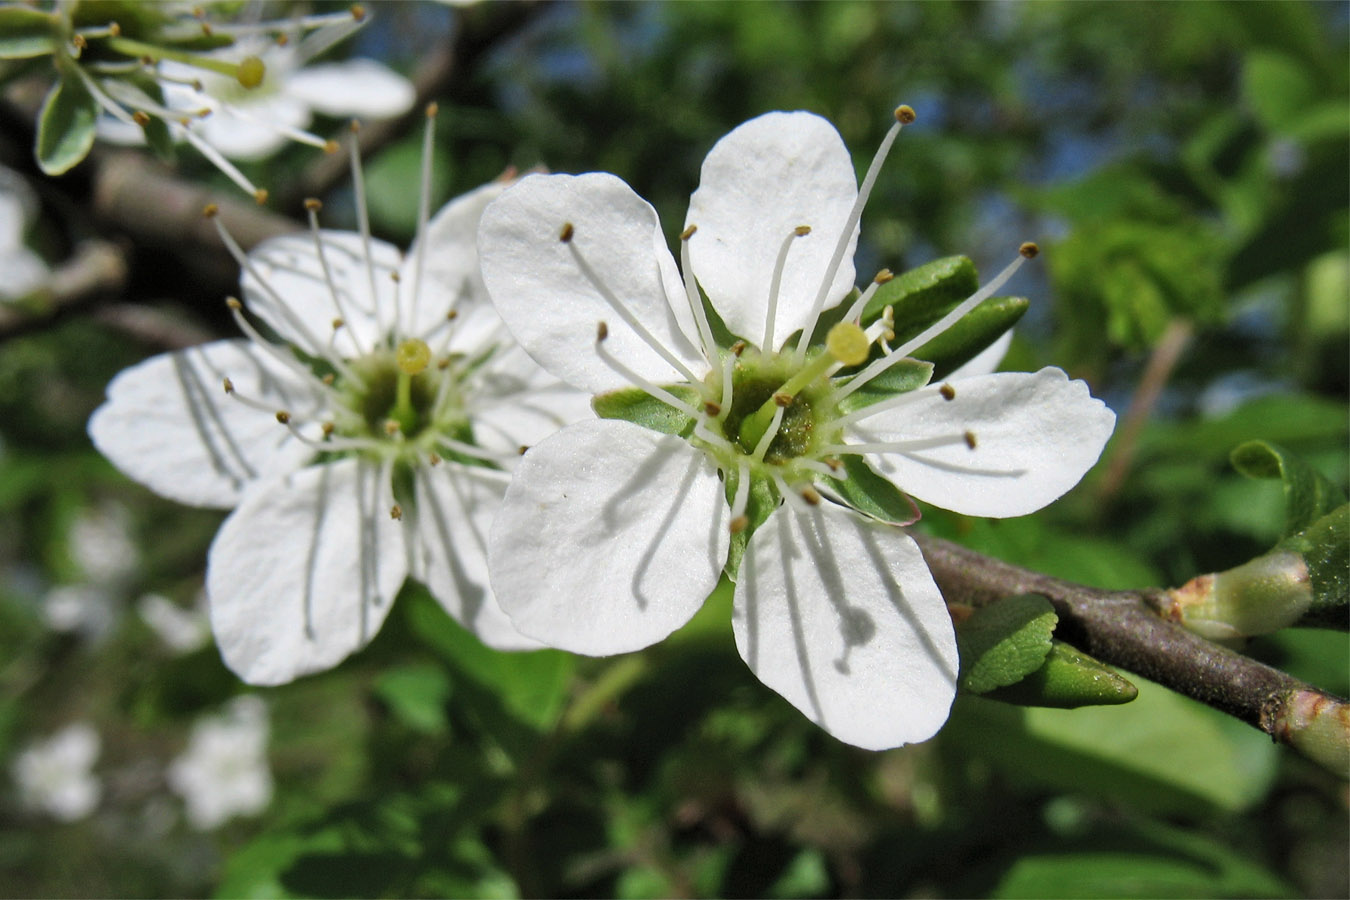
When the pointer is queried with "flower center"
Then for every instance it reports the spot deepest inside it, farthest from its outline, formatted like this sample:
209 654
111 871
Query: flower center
756 384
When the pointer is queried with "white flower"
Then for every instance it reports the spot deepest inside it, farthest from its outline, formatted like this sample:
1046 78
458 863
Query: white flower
54 775
181 630
612 534
370 447
84 609
101 544
223 773
21 270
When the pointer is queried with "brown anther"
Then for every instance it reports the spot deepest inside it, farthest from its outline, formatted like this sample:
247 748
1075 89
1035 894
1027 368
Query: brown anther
802 230
395 512
391 427
443 363
260 195
904 114
947 391
141 117
783 400
884 276
1029 250
355 126
206 29
688 232
970 439
739 524
452 315
601 331
313 204
283 417
328 429
79 42
395 277
434 459
738 348
147 60
204 113
566 234
338 323
834 462
233 303
712 409
521 450
329 379
358 12
185 121
114 29
210 211
283 39
330 146
432 108
229 386
811 495
196 82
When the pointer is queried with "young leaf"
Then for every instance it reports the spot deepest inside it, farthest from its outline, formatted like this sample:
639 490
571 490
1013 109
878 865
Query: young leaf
65 125
637 406
1068 679
921 296
1003 643
26 32
975 331
1307 495
872 495
905 375
1325 548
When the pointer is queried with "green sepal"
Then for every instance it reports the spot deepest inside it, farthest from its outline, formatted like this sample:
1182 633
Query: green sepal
1307 495
1325 548
762 501
26 33
637 406
871 494
65 125
1004 642
1068 679
921 296
903 376
975 331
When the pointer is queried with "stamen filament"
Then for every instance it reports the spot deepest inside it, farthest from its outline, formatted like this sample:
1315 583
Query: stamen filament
706 434
695 300
312 207
860 304
776 282
898 446
769 434
652 389
363 224
788 494
271 349
217 159
742 497
423 215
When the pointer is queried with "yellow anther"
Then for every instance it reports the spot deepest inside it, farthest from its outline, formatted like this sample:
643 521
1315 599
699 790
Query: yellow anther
114 29
330 146
783 400
601 331
413 356
433 108
802 230
712 409
811 495
522 449
970 439
210 211
329 428
283 417
251 71
391 427
358 12
884 276
1029 250
233 303
434 459
688 232
567 232
848 343
229 386
141 118
329 379
904 114
739 524
260 195
313 204
338 323
395 512
947 391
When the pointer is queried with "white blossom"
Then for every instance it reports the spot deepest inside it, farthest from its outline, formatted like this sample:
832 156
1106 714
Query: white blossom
55 775
181 630
21 270
612 534
224 772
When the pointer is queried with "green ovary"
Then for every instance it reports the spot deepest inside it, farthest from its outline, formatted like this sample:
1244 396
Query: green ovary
755 380
391 395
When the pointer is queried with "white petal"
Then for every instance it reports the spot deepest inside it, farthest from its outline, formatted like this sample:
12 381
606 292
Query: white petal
553 309
303 573
450 277
356 87
516 403
252 134
841 616
455 509
610 537
301 305
759 182
169 424
1036 435
985 362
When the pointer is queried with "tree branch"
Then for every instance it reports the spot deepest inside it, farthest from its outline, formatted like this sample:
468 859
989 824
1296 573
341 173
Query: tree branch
1120 628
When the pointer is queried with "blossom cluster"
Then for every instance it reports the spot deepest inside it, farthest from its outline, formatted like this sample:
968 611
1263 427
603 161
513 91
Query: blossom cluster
571 440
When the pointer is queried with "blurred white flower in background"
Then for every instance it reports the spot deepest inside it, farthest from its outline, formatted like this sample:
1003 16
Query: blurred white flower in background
101 544
181 630
86 610
21 270
224 773
54 775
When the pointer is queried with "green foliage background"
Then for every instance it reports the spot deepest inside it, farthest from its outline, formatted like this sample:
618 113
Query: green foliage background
1180 164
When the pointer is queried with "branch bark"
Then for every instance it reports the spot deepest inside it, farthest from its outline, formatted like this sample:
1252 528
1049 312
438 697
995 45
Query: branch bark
1120 628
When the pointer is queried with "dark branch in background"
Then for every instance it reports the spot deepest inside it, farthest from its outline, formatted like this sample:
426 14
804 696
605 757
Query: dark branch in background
1120 628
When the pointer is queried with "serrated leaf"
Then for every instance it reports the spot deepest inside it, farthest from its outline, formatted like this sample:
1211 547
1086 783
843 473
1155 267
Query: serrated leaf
905 375
1068 679
975 331
871 494
65 125
1002 643
923 295
637 406
1307 495
26 33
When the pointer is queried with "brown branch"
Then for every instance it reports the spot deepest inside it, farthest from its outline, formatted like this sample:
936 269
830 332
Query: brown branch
1119 627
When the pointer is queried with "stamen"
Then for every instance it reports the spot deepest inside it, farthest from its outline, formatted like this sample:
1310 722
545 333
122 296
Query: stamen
312 207
947 391
776 281
903 116
277 353
707 435
476 452
769 433
970 439
739 522
423 214
860 304
900 446
624 313
217 159
791 497
653 389
811 495
936 328
396 512
363 223
695 300
728 365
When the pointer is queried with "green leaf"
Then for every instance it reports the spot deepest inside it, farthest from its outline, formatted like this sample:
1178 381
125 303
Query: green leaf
1307 495
1276 87
416 694
1002 643
905 375
27 32
872 495
975 331
66 125
637 406
921 296
1068 679
1325 548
